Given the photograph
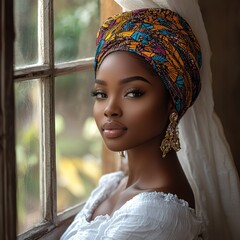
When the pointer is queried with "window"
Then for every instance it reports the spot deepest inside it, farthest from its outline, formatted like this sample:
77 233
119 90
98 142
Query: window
57 143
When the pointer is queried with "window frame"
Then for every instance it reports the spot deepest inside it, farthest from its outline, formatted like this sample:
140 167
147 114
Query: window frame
7 136
53 223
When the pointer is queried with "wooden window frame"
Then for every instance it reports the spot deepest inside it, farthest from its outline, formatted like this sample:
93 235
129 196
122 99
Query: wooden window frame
7 137
53 224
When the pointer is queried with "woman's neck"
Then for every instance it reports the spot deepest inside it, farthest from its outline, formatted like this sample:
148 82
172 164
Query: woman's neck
148 169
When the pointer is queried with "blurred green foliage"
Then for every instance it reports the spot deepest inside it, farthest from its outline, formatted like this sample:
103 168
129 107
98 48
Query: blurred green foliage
26 28
76 24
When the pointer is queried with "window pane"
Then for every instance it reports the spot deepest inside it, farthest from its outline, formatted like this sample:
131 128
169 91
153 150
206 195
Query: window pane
78 143
28 122
76 24
26 26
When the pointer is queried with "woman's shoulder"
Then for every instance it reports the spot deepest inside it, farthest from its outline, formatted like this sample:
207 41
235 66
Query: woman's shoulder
157 214
159 204
157 196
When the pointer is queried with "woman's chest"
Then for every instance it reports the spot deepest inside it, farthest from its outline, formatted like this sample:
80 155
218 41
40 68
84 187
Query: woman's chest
114 201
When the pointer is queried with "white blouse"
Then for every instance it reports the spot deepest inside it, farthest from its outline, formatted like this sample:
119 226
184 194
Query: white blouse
148 215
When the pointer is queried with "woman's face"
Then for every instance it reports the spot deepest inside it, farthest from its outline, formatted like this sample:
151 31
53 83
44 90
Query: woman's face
132 106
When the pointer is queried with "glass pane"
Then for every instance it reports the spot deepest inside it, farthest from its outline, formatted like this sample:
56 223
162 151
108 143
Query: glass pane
28 122
78 143
75 27
26 27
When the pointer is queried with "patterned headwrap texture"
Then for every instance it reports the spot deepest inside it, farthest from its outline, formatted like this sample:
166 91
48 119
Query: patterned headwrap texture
165 40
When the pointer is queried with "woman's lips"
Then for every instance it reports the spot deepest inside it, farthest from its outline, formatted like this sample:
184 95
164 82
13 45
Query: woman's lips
113 129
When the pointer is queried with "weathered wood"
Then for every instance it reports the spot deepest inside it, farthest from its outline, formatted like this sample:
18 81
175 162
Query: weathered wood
74 66
37 71
52 230
31 72
48 181
7 137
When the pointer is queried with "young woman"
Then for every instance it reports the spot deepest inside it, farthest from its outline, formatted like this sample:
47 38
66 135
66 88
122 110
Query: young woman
147 76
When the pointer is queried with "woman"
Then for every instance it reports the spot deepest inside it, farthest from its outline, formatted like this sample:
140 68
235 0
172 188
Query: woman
147 76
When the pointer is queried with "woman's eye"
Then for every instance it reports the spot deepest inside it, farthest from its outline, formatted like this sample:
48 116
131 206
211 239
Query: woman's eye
99 94
134 93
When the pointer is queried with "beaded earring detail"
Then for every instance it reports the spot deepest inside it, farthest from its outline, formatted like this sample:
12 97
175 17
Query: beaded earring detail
171 140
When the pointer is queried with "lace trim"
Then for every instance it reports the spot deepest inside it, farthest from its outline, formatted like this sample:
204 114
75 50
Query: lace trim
168 197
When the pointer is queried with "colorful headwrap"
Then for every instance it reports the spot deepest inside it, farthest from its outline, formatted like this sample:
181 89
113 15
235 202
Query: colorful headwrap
165 40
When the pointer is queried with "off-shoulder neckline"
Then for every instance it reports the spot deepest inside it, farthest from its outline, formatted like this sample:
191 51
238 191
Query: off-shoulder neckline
169 197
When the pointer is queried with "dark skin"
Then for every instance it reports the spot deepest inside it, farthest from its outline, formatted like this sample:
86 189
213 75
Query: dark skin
136 105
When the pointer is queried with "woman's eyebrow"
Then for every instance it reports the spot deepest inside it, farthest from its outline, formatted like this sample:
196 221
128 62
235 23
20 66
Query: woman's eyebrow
125 80
101 82
134 78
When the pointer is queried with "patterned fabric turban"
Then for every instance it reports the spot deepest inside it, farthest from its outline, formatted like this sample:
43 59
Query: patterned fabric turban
165 40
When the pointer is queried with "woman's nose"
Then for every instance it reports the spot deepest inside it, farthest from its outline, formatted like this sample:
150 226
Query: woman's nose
112 109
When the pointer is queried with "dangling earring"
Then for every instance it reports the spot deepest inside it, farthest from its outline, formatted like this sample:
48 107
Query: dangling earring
171 140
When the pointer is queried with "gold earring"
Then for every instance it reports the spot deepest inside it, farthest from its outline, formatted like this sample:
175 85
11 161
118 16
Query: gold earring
171 140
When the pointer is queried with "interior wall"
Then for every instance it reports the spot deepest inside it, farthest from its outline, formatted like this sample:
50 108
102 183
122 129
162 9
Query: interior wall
222 20
108 8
